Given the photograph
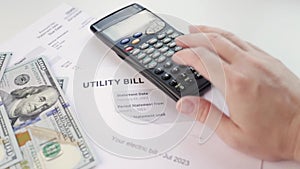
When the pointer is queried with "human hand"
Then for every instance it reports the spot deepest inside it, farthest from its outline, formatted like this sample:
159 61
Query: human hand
262 95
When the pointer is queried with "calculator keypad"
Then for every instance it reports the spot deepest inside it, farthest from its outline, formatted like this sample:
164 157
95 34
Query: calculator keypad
155 54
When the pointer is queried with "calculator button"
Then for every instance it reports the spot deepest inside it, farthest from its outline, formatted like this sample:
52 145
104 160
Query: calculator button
160 23
155 26
137 35
166 76
182 66
157 29
124 41
170 31
150 31
152 65
128 49
188 80
135 41
141 56
198 76
173 82
150 50
152 41
182 76
168 64
175 70
190 70
161 36
158 45
163 49
155 54
146 60
179 87
174 35
158 71
144 46
172 45
177 48
166 40
161 59
169 53
135 52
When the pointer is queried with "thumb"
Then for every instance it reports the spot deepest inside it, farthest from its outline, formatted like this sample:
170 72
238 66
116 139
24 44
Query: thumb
227 130
194 106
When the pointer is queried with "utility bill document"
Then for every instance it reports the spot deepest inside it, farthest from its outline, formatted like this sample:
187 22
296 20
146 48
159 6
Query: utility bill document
129 121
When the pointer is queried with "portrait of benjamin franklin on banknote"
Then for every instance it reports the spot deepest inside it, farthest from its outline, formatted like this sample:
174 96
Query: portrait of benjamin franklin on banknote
28 102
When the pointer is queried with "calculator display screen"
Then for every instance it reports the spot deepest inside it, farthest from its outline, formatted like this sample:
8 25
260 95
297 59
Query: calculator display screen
134 23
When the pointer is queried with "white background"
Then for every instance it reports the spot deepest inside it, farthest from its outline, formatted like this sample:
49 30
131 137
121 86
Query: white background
273 25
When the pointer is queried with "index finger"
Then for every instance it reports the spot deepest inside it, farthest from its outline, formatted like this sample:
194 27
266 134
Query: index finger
216 43
206 63
230 36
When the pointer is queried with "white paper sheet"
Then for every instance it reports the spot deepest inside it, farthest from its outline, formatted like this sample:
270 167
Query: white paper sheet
63 36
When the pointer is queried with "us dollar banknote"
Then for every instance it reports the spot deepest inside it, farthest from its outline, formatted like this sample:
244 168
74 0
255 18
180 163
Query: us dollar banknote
62 82
4 58
45 127
9 149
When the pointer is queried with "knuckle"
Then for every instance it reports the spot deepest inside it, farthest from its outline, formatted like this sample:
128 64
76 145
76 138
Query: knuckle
254 61
238 82
277 61
264 65
260 65
228 34
200 50
198 53
238 79
214 36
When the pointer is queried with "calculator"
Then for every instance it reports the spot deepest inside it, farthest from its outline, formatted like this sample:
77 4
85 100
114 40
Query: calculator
147 43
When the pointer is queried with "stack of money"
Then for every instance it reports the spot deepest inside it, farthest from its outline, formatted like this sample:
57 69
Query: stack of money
38 127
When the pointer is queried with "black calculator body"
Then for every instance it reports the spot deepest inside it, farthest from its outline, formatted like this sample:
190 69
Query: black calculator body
147 42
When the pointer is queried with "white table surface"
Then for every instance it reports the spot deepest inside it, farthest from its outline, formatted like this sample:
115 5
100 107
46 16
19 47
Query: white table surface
273 25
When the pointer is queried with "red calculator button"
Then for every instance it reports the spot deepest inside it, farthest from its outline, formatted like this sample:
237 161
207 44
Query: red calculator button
129 48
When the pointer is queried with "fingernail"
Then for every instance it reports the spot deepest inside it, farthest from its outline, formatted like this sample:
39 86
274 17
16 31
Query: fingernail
180 40
186 106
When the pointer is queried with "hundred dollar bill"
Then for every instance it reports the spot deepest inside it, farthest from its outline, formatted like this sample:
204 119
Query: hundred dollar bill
9 150
47 132
4 58
62 82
